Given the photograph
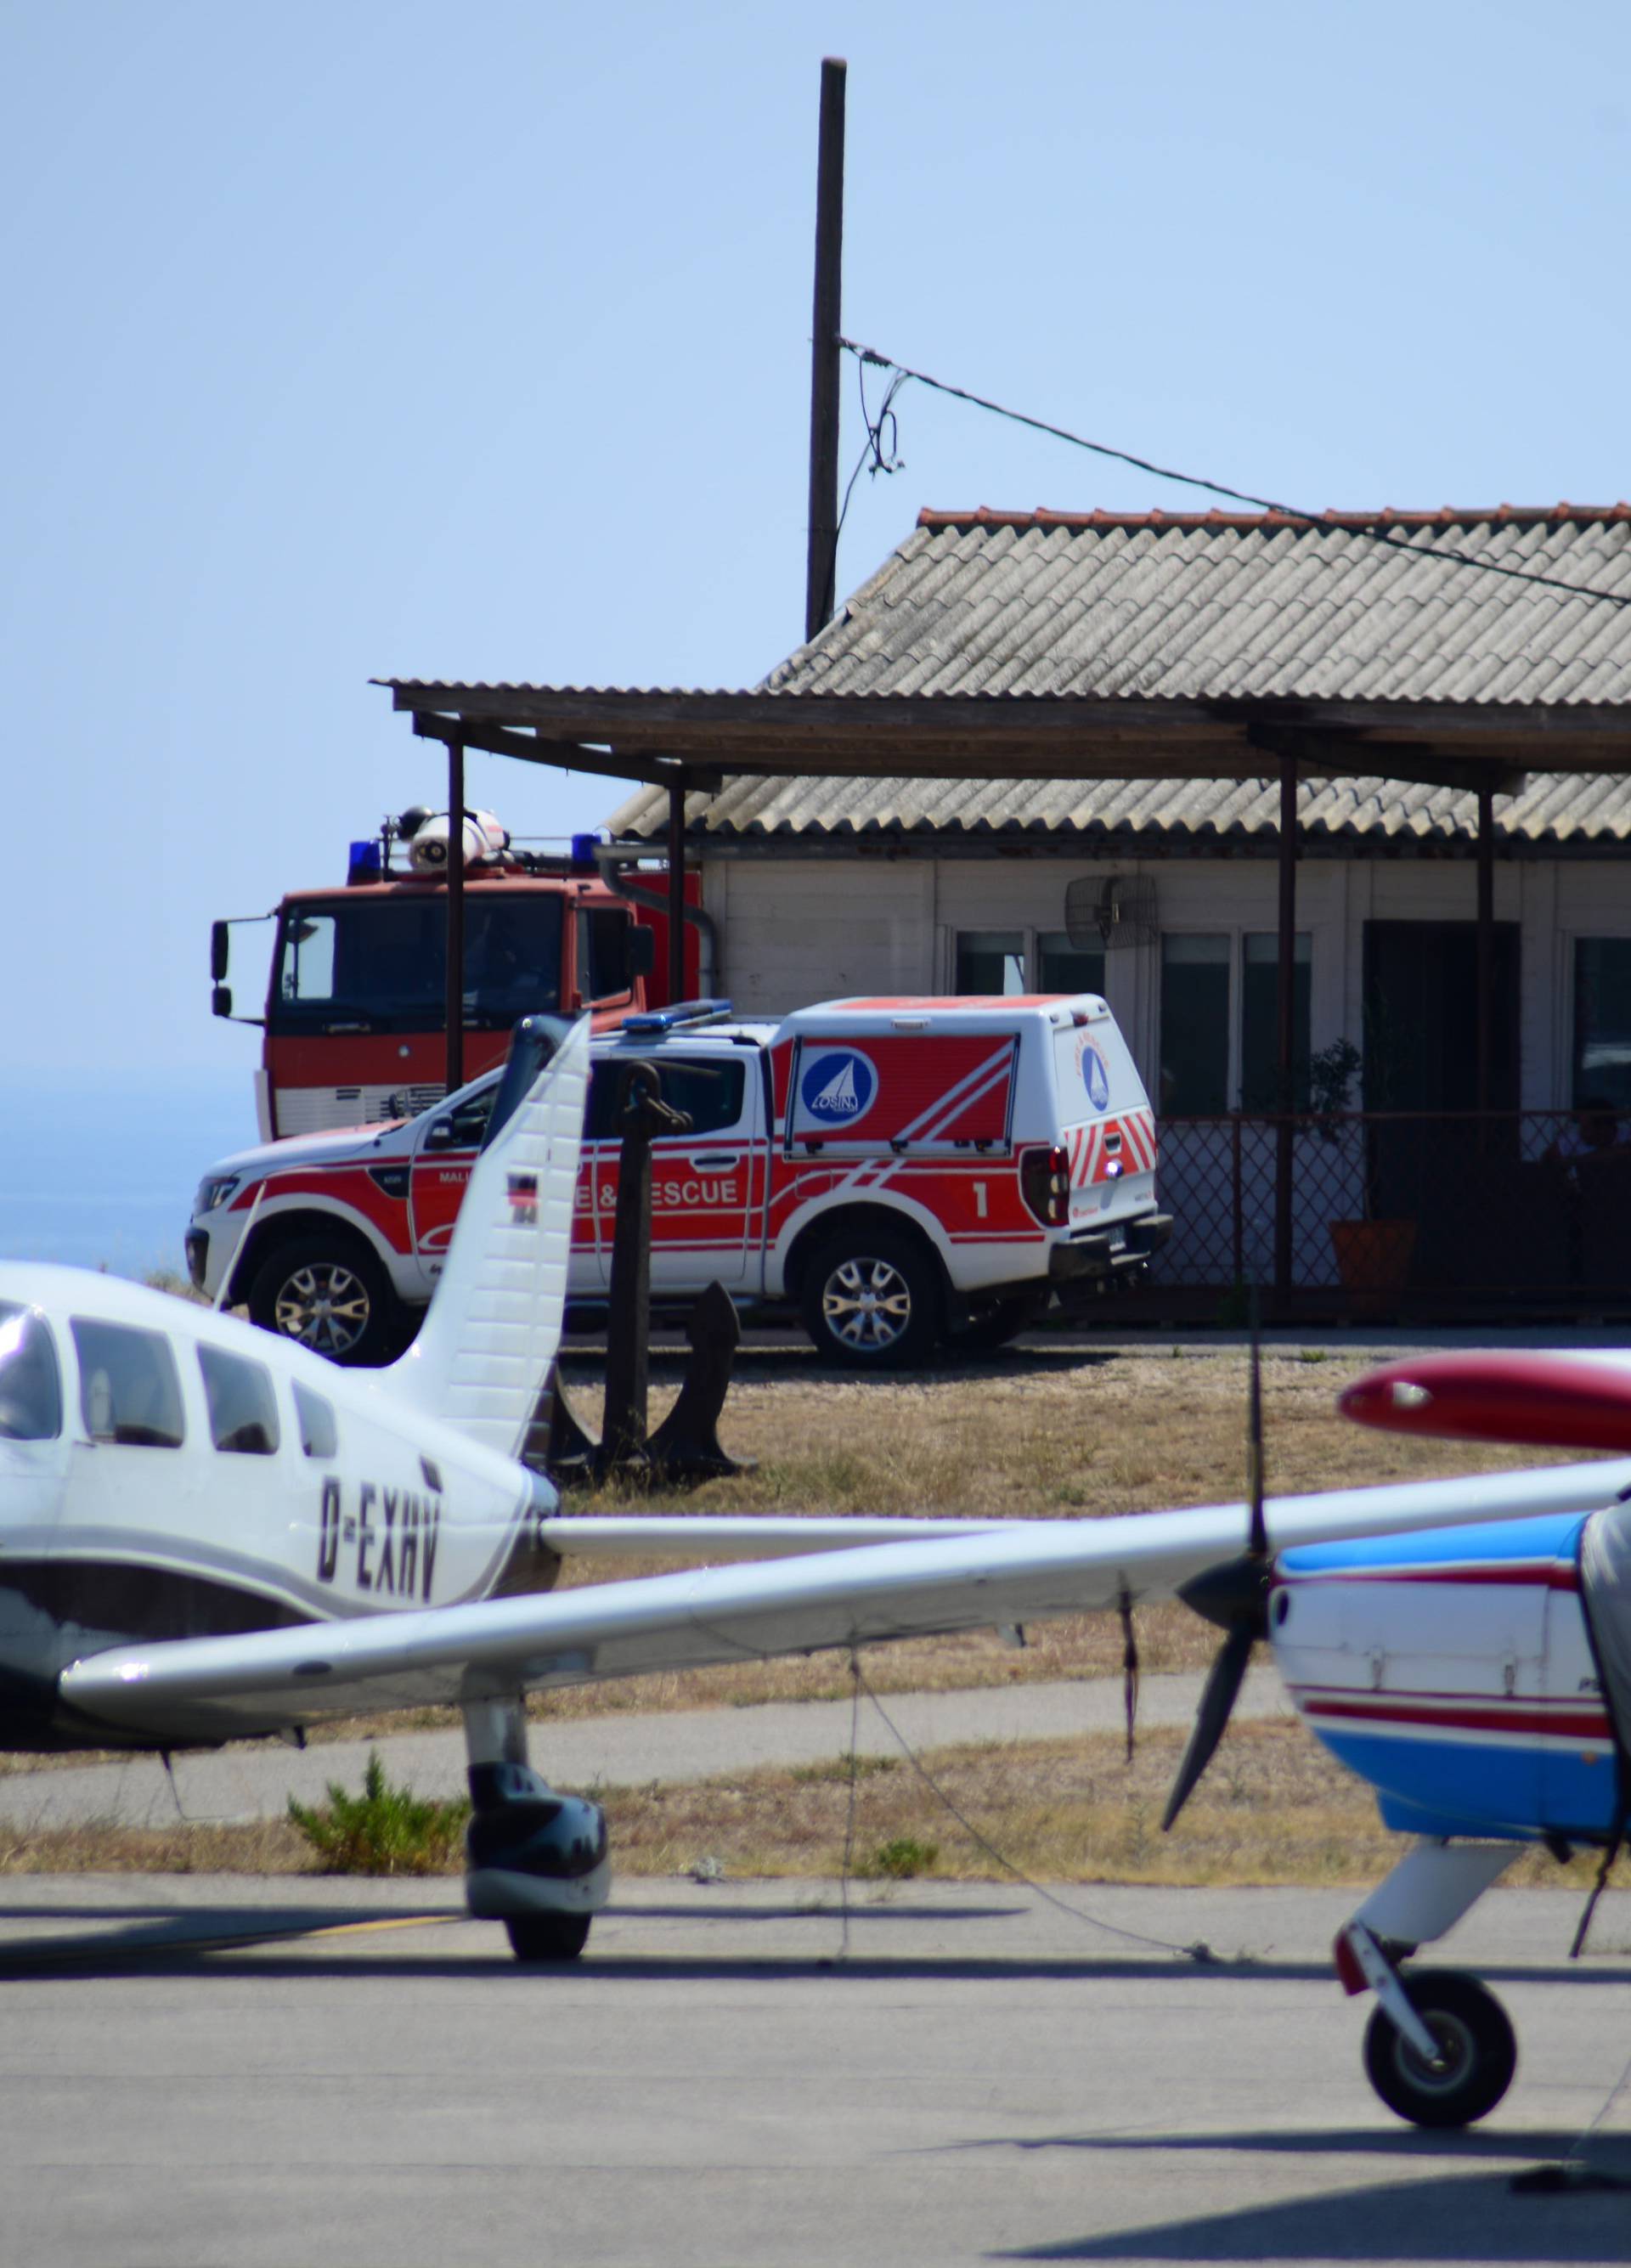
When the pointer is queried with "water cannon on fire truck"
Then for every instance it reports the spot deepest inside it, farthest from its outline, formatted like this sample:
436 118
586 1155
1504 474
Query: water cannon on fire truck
354 1007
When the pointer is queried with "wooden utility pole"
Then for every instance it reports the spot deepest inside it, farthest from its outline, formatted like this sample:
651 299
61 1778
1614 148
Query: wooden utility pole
826 325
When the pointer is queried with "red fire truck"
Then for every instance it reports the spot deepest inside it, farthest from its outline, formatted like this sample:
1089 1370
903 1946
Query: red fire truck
355 1011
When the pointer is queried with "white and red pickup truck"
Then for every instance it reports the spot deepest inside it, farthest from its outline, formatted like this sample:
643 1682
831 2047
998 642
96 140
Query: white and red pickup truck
906 1172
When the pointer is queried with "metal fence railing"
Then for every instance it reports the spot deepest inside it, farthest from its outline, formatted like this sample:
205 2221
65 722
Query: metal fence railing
1406 1209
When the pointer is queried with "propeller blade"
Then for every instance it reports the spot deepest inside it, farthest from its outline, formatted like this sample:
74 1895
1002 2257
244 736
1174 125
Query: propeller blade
1217 1701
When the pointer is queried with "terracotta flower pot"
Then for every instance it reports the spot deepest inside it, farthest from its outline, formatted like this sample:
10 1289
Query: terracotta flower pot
1374 1255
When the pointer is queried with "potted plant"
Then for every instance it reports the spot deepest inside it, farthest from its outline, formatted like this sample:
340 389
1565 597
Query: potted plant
1372 1255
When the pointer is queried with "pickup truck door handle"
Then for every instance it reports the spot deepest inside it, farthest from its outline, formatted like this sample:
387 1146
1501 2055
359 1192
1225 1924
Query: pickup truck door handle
717 1157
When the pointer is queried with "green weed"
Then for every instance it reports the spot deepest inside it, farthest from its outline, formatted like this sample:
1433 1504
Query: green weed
384 1830
898 1860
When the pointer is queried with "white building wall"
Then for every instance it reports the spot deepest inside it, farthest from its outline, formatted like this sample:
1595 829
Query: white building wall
793 930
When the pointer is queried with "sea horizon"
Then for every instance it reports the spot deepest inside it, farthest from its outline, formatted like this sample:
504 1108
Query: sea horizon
98 1169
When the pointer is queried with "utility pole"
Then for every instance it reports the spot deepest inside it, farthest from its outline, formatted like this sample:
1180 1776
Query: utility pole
826 325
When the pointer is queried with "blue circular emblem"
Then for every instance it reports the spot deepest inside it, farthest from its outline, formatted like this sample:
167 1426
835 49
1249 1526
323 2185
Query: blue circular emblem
1095 1077
837 1087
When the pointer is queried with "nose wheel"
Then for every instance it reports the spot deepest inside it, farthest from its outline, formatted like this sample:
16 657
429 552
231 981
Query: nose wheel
1476 2058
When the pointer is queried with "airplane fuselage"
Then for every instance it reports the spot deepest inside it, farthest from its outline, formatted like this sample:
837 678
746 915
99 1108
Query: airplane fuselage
1453 1670
166 1472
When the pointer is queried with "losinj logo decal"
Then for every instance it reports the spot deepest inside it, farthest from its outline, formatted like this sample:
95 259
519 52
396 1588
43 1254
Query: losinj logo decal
837 1087
1095 1075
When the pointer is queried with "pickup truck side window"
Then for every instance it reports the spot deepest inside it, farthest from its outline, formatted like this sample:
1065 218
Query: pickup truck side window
710 1090
243 1409
129 1390
467 1124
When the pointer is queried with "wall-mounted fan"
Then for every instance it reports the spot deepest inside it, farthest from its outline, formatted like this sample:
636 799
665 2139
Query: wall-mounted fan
1113 910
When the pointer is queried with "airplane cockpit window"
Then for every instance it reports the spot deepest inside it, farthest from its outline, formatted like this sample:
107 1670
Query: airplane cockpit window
31 1386
243 1409
128 1391
319 1436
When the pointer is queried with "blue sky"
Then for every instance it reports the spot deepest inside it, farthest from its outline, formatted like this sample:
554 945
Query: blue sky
363 338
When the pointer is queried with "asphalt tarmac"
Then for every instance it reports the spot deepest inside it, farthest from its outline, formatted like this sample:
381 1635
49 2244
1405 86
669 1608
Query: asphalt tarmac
734 2075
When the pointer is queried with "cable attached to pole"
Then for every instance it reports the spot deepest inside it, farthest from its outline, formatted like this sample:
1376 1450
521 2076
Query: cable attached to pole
1445 554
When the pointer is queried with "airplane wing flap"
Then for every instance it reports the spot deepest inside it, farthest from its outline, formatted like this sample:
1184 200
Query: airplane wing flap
212 1688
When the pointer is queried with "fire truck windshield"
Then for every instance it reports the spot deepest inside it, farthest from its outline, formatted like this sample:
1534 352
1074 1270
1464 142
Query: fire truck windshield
378 964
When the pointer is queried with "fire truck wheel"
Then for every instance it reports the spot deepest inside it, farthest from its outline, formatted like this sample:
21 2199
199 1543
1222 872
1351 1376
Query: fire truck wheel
330 1294
872 1300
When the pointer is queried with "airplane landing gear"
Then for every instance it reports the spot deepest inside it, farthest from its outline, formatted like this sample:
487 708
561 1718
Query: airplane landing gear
1476 2051
1439 2049
536 1860
548 1937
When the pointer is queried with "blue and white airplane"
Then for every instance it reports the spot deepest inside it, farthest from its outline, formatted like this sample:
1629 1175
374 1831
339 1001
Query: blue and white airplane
207 1533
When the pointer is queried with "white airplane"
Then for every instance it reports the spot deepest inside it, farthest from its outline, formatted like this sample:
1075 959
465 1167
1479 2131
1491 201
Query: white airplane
207 1532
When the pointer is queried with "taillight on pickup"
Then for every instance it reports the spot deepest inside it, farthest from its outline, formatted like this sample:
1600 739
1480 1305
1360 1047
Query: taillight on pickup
1044 1184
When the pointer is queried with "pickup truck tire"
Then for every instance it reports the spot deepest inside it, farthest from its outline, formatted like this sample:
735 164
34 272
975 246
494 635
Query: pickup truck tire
872 1300
330 1294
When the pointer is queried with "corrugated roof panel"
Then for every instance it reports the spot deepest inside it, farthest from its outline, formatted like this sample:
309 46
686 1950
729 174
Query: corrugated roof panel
1159 607
1554 807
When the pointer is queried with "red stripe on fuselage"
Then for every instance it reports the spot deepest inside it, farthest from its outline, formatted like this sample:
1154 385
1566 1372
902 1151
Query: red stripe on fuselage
1556 1720
1541 1574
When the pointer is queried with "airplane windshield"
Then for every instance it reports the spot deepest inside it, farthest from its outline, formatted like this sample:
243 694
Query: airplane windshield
31 1386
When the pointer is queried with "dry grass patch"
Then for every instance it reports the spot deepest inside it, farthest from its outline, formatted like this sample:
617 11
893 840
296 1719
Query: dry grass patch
1273 1808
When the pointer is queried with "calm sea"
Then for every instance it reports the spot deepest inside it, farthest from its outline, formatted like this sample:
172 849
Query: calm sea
99 1171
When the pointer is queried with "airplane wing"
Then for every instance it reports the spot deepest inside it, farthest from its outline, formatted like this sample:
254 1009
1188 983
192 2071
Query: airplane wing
217 1688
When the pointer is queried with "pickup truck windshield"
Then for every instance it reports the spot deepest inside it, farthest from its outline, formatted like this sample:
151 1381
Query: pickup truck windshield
376 964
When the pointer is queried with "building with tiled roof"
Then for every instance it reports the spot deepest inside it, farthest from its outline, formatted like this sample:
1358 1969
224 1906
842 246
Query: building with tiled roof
1516 622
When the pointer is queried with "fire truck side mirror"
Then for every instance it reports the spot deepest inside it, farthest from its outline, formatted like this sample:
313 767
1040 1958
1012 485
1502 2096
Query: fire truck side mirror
221 1000
220 946
641 945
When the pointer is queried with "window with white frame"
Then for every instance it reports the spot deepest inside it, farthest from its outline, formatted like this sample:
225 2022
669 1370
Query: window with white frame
1010 961
1220 1022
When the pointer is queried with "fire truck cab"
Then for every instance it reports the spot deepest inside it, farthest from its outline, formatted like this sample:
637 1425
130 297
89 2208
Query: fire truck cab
355 1011
904 1172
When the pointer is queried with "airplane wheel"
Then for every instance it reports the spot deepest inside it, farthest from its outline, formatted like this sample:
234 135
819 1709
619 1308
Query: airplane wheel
872 1302
1478 2052
329 1293
548 1937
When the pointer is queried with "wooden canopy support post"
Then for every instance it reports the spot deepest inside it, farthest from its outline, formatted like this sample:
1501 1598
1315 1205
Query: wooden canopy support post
676 888
821 566
1486 952
456 915
1285 1088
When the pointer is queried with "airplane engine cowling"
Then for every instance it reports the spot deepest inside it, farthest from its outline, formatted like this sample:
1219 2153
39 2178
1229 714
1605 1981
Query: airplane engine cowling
1453 1671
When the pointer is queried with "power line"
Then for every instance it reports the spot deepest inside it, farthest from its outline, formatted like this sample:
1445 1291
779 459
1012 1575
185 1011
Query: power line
1447 553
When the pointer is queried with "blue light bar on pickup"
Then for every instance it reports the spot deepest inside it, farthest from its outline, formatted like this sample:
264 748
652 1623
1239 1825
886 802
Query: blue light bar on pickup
657 1023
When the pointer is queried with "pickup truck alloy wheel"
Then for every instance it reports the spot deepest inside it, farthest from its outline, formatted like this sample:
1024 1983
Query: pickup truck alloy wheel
872 1302
332 1297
